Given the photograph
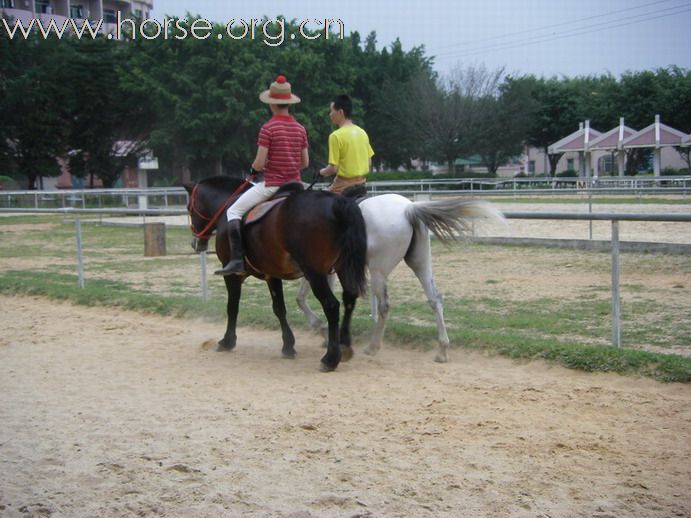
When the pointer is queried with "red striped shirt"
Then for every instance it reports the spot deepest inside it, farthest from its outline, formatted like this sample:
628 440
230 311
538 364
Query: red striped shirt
285 138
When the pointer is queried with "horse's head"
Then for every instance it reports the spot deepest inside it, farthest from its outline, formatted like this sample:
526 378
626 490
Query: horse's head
198 220
207 201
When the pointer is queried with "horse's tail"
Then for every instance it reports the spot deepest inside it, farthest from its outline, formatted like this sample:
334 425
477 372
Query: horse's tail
450 218
353 258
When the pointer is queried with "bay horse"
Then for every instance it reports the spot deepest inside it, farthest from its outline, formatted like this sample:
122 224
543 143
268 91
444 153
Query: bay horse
310 234
399 230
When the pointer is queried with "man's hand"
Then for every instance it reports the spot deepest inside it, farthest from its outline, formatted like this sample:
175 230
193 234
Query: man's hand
329 170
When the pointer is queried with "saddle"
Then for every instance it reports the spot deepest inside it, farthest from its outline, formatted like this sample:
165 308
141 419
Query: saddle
257 212
357 192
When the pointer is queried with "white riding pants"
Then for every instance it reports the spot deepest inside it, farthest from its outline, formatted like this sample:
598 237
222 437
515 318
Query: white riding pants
257 194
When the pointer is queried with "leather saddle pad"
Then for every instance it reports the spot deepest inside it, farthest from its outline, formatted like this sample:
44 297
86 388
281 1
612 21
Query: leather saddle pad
259 211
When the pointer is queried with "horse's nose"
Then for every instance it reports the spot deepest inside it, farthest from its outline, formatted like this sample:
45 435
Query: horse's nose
199 245
195 245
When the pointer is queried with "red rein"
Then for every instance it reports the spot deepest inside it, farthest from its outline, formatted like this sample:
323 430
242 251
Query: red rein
207 231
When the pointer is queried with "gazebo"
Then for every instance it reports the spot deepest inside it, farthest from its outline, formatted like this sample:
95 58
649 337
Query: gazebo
656 136
613 140
587 140
578 141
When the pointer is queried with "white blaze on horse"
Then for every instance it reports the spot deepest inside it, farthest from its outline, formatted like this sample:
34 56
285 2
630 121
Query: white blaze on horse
399 229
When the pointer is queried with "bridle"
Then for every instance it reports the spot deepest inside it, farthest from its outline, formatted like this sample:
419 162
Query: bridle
208 229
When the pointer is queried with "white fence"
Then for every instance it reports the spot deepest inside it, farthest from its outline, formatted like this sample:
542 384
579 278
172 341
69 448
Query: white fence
177 196
635 185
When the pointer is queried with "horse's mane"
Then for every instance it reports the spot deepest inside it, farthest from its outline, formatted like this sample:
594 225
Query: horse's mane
222 182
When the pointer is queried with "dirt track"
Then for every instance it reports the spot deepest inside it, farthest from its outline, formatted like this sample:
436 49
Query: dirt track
110 413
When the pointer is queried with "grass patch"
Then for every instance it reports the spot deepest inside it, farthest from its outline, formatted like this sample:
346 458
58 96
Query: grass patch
104 293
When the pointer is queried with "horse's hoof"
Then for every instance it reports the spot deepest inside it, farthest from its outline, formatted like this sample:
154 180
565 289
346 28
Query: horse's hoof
370 351
346 353
323 367
225 345
441 358
316 324
289 355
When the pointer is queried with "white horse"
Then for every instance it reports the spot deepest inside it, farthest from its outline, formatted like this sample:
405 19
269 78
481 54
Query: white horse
398 229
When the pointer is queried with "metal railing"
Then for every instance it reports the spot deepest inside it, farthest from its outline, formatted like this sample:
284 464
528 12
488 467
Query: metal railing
615 218
165 197
95 198
535 185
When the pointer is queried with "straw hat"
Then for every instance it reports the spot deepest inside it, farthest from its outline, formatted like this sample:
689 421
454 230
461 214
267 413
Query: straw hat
279 93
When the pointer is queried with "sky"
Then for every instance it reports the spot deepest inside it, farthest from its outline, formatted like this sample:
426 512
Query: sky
541 37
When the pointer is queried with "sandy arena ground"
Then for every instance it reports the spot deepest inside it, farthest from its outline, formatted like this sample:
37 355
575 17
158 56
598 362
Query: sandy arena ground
112 413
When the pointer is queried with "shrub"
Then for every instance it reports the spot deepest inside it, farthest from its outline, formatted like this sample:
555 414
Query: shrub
670 171
569 173
8 184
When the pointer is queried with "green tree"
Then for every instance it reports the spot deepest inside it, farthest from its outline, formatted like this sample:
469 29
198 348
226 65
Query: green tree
108 127
499 130
204 94
33 106
593 97
639 100
381 78
554 115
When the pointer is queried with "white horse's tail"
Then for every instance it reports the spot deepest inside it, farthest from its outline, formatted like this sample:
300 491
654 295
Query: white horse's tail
451 218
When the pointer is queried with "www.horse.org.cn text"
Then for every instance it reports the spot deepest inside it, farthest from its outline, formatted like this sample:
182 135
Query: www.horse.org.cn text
269 31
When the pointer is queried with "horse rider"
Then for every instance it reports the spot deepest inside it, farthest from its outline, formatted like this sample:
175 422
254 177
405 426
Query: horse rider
282 152
350 153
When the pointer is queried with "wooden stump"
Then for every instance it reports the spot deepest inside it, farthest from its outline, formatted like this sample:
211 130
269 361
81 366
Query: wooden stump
154 239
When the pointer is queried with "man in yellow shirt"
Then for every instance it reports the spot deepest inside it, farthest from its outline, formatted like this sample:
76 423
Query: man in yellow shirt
350 152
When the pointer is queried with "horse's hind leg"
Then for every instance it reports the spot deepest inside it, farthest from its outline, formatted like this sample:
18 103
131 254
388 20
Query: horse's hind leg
330 305
345 340
234 289
380 294
419 259
279 307
301 299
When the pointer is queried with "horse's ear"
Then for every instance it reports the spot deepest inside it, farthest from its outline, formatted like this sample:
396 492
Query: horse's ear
188 187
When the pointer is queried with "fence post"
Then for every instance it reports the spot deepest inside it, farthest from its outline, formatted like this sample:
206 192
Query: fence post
80 261
616 308
154 239
202 274
590 211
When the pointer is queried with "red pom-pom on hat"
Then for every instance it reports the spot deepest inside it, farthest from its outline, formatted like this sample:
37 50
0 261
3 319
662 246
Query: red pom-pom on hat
281 79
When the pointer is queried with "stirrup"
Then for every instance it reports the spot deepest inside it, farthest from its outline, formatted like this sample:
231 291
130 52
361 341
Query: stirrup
234 267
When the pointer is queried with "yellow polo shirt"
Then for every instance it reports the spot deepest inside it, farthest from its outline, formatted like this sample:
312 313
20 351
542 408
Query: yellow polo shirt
350 150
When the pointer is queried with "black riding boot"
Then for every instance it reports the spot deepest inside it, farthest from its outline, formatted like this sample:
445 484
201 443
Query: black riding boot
236 265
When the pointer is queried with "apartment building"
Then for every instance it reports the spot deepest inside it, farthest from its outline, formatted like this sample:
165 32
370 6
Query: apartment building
61 10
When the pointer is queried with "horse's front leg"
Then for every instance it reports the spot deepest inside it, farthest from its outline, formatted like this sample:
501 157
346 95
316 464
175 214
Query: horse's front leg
331 306
279 307
234 288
